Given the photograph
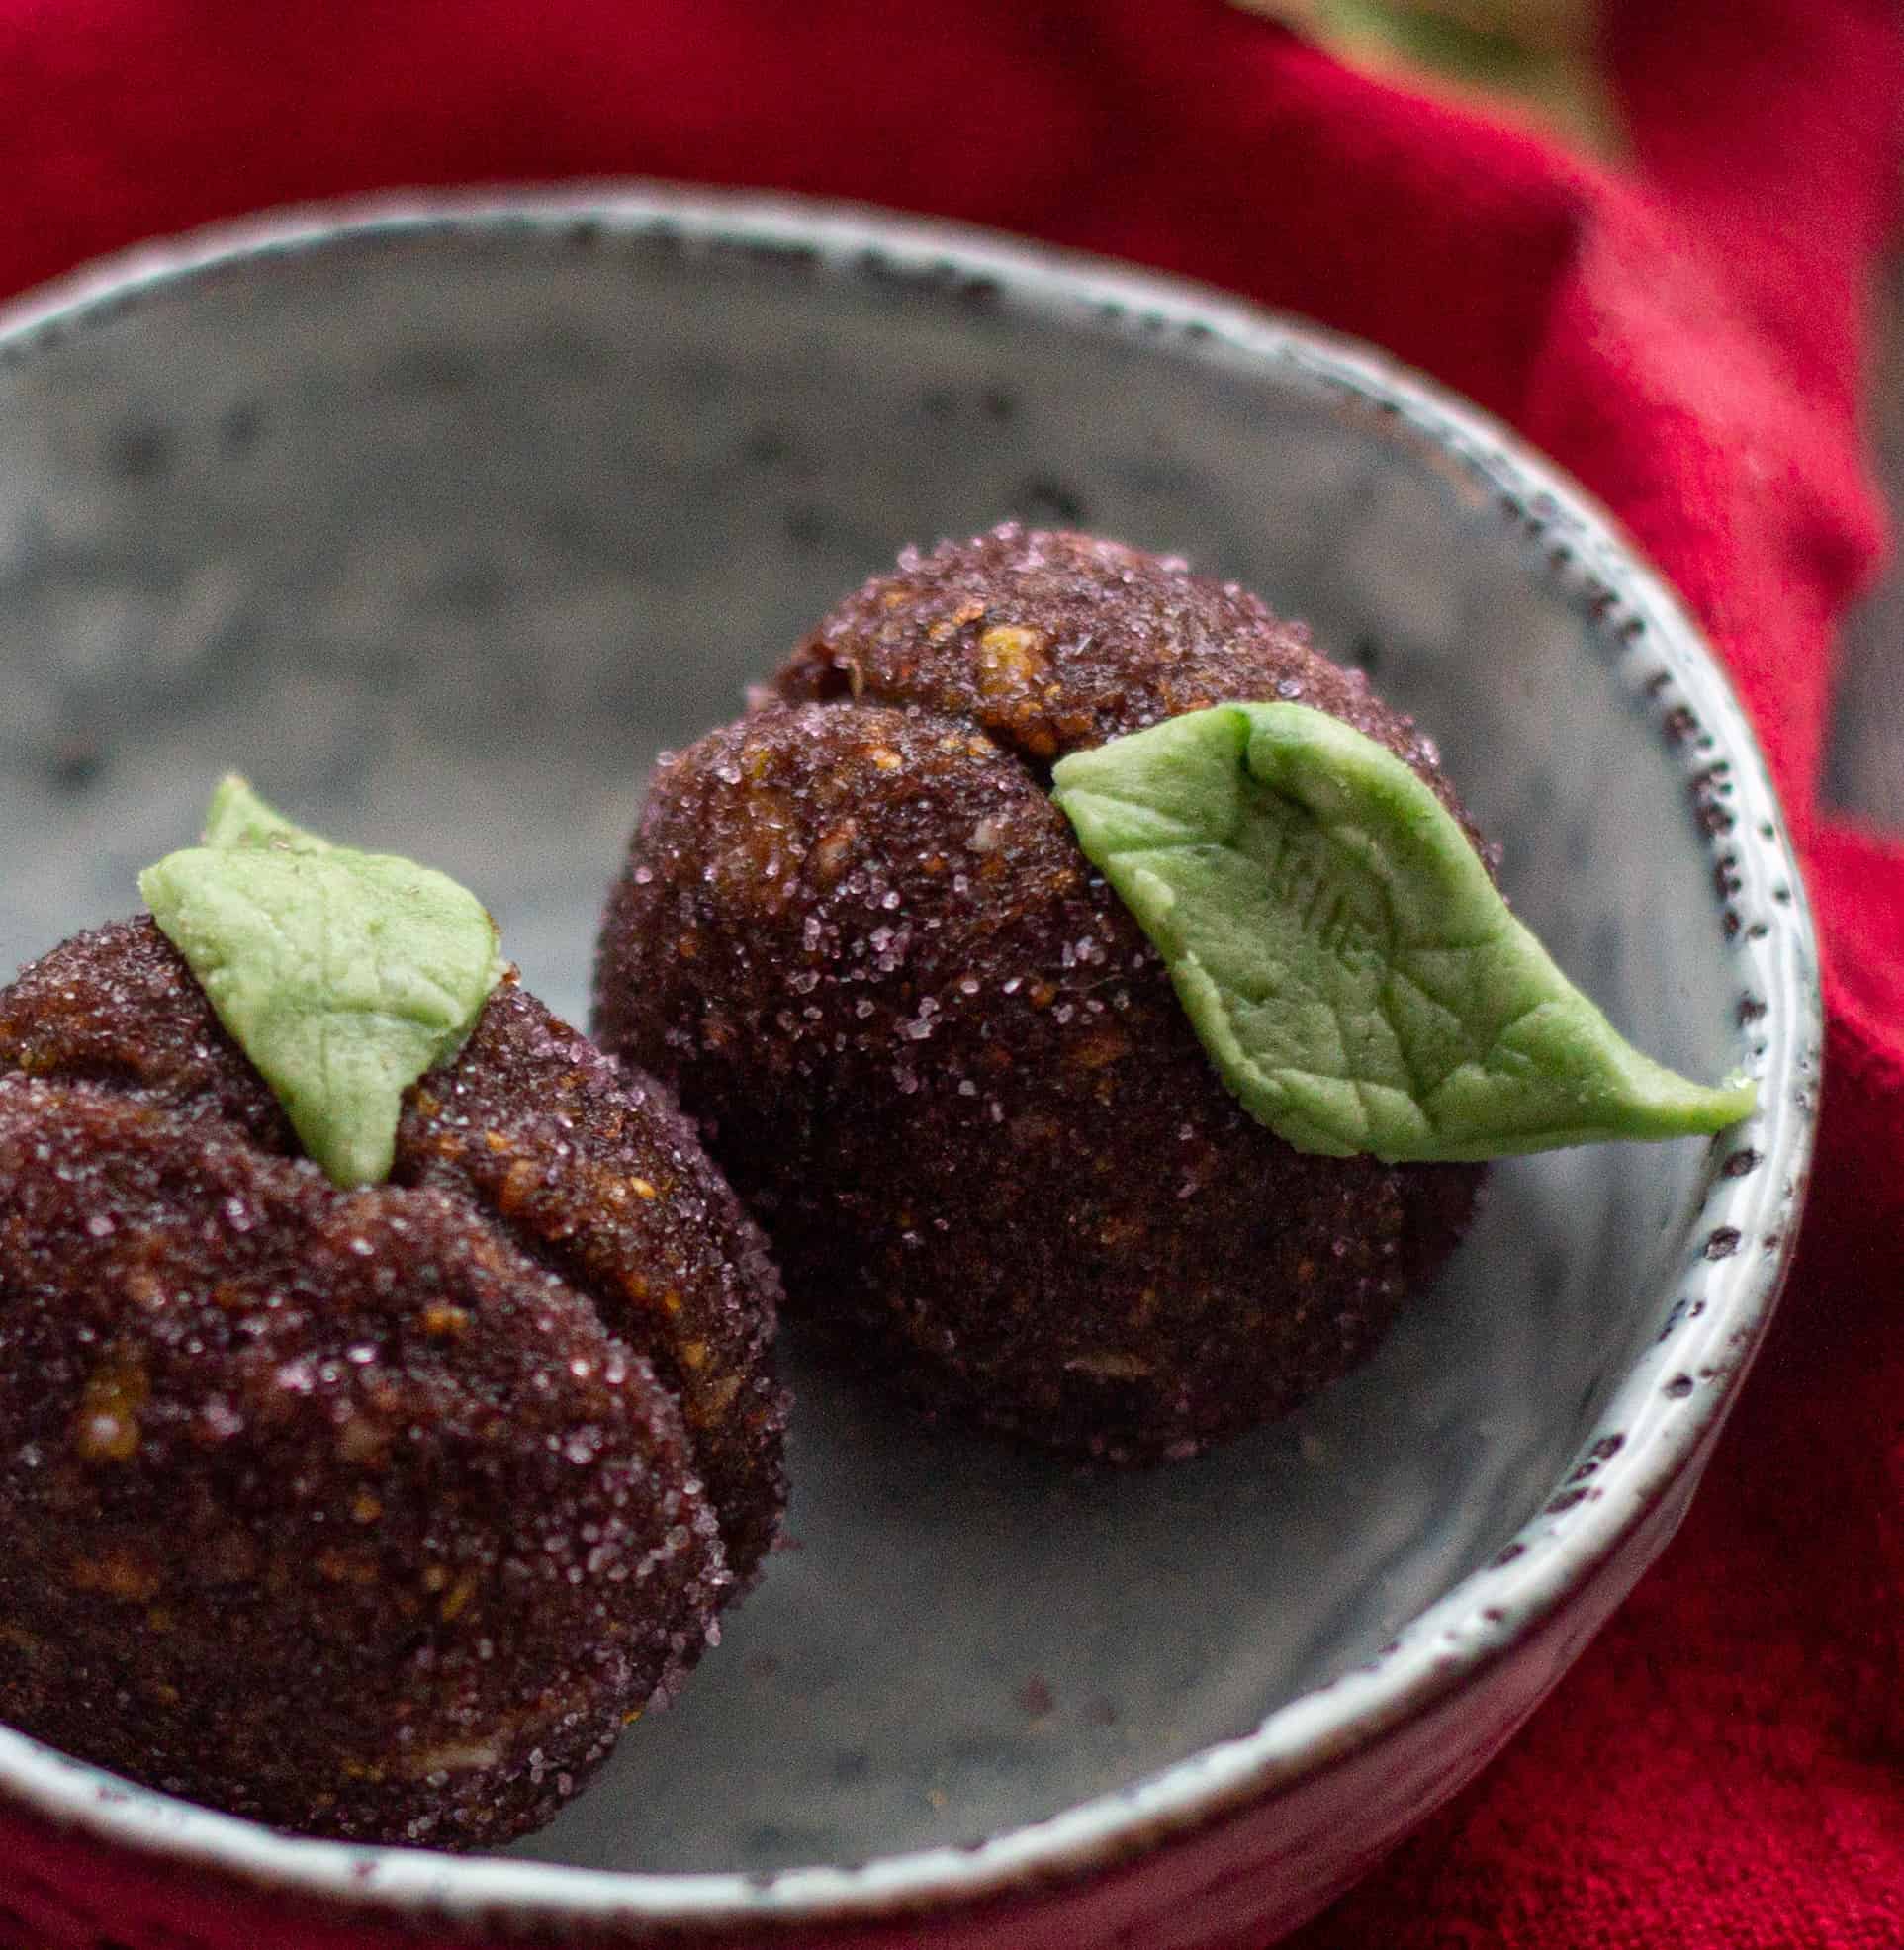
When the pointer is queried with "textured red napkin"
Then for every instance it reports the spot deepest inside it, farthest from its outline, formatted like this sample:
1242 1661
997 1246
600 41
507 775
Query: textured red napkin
1726 1765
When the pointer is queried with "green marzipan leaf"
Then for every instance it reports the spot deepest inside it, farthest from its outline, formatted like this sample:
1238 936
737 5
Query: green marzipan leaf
1341 951
343 976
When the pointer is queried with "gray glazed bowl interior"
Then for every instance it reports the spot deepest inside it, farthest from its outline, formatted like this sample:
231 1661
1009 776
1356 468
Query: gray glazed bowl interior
442 527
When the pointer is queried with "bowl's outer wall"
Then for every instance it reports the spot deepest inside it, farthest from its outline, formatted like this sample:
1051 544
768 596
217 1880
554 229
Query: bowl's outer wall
444 529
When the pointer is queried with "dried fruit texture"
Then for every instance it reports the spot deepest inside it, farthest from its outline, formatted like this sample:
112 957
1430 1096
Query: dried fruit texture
372 1514
940 1058
1055 643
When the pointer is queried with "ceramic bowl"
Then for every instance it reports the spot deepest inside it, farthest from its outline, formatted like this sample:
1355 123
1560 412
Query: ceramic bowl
441 520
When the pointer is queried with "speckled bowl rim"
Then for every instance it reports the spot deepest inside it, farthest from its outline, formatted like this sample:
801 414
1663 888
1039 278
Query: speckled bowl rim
1664 1410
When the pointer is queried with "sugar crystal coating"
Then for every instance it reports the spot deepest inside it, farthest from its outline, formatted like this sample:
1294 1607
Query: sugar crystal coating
939 1057
373 1514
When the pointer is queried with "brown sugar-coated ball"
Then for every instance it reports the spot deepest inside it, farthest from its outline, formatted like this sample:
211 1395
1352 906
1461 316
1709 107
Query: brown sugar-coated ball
941 1060
372 1514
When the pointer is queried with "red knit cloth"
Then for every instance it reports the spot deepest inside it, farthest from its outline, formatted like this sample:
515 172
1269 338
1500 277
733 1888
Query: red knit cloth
1725 1768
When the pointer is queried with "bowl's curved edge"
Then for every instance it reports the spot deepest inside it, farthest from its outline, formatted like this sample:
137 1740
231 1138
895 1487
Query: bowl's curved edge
1560 1576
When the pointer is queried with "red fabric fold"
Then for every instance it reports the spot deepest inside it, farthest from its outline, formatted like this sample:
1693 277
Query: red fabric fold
1722 1769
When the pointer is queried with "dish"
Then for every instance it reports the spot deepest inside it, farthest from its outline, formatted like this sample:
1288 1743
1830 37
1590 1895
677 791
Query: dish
269 492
